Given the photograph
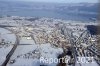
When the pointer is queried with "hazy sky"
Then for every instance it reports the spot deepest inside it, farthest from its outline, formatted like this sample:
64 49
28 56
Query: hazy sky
61 1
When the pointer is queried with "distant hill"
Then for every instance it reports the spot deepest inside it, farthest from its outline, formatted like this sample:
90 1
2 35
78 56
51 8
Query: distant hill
87 9
84 7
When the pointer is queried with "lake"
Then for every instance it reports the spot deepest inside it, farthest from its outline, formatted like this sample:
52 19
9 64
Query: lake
58 11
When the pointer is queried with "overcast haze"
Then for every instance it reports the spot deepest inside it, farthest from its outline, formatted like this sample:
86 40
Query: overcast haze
59 1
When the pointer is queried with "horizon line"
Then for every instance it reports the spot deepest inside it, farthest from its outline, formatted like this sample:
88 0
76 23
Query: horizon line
47 2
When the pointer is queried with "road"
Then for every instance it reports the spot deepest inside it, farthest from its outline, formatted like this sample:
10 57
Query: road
12 50
68 34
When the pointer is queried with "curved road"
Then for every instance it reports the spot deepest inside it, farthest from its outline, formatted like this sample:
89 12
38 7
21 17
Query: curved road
12 50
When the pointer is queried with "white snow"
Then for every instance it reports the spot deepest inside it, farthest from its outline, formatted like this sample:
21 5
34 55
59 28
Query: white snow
23 49
26 62
4 31
3 53
7 35
5 49
26 41
45 50
49 52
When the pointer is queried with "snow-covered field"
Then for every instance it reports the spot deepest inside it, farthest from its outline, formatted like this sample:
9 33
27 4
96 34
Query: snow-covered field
7 35
9 38
3 53
5 49
29 55
4 31
26 41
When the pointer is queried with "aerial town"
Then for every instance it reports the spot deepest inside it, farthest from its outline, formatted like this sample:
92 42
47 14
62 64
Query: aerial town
25 40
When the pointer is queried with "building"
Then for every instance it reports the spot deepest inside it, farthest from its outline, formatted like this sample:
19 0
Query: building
40 38
98 45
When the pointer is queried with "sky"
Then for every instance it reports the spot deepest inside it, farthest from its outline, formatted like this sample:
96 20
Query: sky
65 1
61 1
